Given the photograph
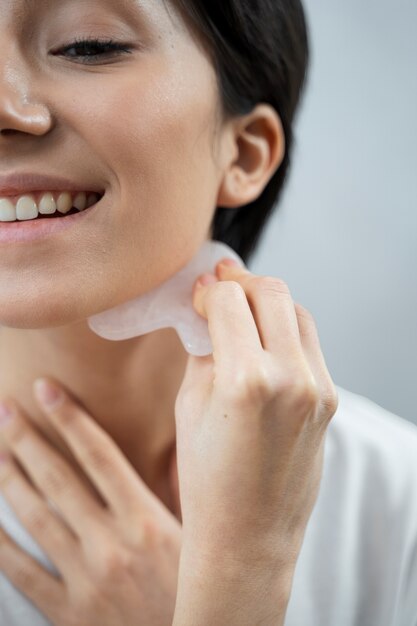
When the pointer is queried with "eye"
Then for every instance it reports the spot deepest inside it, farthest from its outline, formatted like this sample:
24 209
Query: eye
91 49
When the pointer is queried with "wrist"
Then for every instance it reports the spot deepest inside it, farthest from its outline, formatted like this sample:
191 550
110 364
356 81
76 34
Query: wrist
234 591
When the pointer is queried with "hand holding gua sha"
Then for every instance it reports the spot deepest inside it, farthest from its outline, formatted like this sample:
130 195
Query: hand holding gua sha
168 305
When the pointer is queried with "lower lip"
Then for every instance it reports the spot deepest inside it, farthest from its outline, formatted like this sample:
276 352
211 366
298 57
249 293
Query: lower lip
29 230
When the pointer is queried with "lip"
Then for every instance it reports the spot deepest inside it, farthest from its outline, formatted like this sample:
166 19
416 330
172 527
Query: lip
17 183
41 228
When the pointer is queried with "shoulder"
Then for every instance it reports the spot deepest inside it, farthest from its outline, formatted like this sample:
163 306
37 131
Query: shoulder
358 561
370 423
375 444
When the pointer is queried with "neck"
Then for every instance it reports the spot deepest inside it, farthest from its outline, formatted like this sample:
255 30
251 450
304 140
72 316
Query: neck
128 387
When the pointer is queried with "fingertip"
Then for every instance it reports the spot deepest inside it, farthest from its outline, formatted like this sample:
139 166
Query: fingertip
197 300
229 267
47 393
227 262
206 279
200 288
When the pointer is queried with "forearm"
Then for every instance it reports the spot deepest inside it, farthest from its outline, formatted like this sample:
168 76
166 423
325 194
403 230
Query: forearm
234 596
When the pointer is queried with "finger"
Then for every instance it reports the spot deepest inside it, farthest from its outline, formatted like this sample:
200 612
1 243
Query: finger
51 474
314 355
27 575
273 310
233 332
50 533
100 458
297 334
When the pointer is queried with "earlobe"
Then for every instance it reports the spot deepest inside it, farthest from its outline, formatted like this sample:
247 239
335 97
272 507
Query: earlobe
260 144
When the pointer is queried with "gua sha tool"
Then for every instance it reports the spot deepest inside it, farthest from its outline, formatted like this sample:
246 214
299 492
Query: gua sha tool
168 305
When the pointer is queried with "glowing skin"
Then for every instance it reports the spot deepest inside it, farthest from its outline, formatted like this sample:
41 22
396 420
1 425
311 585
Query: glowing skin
146 126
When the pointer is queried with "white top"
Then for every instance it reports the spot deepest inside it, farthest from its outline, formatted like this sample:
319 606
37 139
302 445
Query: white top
358 562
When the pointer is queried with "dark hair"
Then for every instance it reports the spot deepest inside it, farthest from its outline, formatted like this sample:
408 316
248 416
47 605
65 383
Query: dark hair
260 51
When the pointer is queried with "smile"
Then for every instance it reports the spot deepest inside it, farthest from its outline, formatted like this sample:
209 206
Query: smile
45 204
43 227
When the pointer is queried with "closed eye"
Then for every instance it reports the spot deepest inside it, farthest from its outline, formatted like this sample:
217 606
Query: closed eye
89 50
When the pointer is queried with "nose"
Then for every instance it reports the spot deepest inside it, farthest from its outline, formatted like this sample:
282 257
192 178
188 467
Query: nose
16 116
21 109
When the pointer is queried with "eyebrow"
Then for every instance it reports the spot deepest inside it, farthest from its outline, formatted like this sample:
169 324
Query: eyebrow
130 8
128 4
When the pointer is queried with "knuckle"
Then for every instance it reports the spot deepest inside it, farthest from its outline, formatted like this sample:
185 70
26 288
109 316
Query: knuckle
329 402
17 433
270 285
251 385
223 292
25 577
306 321
225 288
38 520
99 458
114 563
65 413
301 390
146 533
149 531
304 314
54 481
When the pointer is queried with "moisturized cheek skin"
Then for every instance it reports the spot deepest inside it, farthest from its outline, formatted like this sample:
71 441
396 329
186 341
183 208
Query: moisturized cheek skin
169 305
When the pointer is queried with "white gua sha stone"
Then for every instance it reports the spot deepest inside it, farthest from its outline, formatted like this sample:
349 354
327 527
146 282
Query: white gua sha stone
168 305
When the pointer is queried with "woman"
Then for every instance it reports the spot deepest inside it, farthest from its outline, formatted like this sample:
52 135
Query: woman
179 116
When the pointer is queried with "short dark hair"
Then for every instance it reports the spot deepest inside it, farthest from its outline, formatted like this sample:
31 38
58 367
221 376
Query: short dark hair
260 50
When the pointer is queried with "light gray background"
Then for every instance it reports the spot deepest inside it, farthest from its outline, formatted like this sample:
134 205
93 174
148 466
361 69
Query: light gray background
344 236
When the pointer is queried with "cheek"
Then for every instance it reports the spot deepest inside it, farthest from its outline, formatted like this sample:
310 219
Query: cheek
158 148
159 144
150 140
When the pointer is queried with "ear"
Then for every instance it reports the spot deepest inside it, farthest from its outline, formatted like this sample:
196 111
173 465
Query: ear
255 151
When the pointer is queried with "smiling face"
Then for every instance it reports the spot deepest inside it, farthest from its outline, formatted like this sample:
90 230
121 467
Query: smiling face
139 123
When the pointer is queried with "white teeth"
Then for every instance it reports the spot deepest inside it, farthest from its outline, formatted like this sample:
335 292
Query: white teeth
64 202
80 201
26 208
47 205
7 211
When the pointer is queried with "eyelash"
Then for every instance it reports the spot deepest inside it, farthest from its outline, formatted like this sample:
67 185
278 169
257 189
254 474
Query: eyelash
96 43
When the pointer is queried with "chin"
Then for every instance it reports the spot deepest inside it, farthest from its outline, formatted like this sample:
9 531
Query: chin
35 315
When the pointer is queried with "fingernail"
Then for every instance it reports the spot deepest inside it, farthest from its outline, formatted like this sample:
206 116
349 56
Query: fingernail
206 279
47 393
229 262
5 412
